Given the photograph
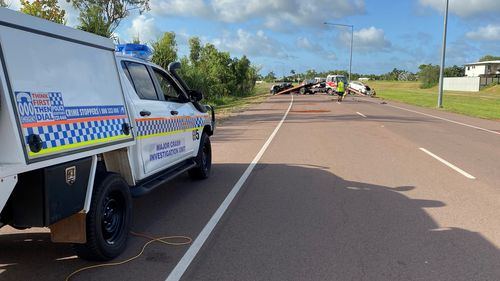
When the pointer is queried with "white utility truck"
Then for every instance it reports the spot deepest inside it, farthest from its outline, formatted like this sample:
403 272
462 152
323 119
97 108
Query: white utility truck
82 129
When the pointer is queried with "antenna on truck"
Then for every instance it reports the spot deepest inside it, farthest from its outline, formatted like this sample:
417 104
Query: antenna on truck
172 68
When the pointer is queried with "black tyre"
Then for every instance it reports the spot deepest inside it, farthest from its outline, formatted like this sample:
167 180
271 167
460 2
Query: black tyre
203 159
108 220
302 91
329 91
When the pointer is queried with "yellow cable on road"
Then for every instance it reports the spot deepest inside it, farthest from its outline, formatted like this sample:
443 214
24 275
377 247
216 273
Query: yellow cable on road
187 240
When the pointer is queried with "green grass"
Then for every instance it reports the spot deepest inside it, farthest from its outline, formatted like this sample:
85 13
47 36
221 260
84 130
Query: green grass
484 104
227 105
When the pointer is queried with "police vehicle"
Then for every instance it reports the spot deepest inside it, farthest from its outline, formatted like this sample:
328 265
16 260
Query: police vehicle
84 127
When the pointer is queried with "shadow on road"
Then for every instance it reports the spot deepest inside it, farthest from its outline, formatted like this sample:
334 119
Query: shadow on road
287 223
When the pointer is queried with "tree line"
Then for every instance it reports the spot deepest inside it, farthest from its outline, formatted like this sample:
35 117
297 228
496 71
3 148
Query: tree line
213 72
428 75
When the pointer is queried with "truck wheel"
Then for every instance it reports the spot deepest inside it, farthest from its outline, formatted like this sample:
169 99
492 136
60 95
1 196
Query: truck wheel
108 220
203 159
302 91
329 91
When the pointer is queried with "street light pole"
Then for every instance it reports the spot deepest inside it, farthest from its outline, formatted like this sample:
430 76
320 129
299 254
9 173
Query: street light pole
352 39
443 53
350 60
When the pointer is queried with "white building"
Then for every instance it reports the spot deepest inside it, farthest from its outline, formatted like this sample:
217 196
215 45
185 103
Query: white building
477 75
481 69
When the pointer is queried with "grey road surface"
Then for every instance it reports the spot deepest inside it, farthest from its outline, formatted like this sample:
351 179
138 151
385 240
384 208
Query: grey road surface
343 192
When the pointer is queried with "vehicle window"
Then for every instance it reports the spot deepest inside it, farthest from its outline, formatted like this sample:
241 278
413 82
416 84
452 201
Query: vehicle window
143 84
170 93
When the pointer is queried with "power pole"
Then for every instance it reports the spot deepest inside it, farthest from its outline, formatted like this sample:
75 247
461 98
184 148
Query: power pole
443 53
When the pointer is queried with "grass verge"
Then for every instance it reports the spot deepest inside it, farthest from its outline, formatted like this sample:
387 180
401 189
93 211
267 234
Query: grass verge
230 105
484 104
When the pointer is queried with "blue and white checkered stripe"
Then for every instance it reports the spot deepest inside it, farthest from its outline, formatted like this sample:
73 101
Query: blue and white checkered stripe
56 99
163 126
73 133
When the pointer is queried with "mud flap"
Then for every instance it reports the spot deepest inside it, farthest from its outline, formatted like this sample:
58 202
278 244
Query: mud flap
70 230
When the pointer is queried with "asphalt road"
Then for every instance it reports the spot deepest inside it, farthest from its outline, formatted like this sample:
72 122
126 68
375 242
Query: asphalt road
350 191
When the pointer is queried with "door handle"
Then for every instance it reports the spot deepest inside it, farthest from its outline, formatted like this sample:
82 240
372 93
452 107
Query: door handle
174 112
145 113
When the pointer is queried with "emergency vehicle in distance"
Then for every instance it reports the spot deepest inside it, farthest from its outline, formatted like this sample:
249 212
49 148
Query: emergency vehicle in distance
332 82
83 128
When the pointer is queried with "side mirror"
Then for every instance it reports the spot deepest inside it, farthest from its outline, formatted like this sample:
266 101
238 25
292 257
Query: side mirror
195 96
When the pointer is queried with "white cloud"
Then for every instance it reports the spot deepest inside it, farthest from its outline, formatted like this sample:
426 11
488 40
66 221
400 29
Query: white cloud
366 40
331 56
71 13
465 8
486 33
306 44
178 7
13 4
143 27
275 14
250 44
235 11
315 48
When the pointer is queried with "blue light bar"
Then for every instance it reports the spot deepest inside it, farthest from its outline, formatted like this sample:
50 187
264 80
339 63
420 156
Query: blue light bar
135 50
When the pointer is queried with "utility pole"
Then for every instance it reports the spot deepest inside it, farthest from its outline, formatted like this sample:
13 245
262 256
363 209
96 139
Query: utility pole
443 54
352 39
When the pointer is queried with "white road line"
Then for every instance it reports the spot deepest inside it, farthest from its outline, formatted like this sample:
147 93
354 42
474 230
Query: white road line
361 114
465 174
193 250
445 119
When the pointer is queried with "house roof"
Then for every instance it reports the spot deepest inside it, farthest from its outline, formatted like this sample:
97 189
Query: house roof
484 62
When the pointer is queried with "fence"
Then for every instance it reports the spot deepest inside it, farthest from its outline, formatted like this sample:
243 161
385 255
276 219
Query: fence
466 84
488 80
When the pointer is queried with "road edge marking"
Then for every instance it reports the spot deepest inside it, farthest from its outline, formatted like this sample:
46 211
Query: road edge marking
181 267
446 119
462 172
361 114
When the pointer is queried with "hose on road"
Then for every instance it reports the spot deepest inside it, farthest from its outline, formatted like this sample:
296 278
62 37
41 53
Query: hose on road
177 241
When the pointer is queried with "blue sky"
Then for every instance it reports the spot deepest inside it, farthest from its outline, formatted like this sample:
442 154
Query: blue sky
281 35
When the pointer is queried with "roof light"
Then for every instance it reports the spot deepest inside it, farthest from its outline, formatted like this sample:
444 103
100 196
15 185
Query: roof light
139 51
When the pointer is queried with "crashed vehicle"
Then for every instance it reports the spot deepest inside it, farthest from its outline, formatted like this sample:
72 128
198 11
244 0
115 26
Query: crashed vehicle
276 88
361 88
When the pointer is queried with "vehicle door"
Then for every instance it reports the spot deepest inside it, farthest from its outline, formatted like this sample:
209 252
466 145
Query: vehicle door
158 142
183 111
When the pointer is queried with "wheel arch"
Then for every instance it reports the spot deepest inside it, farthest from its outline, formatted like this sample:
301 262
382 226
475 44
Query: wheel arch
116 161
208 129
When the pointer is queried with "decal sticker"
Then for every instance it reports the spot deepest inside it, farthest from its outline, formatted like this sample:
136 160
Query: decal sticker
57 106
25 107
167 149
94 111
40 107
196 135
48 107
